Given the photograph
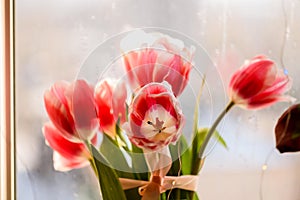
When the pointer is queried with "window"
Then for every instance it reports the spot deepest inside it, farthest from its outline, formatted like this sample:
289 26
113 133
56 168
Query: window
53 38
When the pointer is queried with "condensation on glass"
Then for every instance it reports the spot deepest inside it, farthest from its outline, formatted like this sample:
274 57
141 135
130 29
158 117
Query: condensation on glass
53 38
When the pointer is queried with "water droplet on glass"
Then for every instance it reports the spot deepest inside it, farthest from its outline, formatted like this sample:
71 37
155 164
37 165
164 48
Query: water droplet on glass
93 17
201 15
287 32
239 119
252 119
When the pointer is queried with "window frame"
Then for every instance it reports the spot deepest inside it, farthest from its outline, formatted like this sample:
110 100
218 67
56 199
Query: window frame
7 82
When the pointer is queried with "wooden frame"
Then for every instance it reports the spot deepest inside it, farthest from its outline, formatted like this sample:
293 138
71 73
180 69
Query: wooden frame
7 156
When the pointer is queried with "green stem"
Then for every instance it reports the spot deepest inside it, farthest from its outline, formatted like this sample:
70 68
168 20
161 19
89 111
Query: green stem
197 161
177 194
213 128
92 161
93 165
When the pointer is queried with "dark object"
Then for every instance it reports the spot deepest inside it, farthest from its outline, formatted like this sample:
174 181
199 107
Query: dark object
287 130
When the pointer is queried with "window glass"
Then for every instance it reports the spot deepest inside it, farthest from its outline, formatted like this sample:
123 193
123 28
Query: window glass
53 39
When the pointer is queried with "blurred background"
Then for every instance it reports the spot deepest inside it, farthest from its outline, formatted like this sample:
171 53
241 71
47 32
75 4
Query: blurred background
53 39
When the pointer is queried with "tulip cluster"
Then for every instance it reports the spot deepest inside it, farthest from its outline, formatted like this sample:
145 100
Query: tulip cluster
158 72
78 112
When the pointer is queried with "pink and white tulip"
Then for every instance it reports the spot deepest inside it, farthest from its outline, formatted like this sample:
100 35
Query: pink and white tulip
71 109
258 84
159 58
155 118
110 99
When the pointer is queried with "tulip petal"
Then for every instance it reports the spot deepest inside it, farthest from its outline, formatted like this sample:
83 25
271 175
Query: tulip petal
119 101
251 80
272 94
58 109
64 147
110 100
103 98
63 164
84 109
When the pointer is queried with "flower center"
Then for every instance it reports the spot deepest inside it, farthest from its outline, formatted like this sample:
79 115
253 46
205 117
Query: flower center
158 126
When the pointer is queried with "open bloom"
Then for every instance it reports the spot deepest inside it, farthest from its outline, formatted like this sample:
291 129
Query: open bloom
110 99
67 155
155 118
160 58
258 84
71 109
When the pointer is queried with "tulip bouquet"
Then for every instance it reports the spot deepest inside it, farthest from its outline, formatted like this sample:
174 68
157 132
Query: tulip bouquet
131 131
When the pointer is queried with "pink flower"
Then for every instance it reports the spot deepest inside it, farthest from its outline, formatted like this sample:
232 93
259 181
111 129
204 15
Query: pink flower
161 58
71 108
110 100
155 118
67 155
258 84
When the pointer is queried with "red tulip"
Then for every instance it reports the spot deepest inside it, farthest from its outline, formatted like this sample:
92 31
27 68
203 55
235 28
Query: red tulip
67 155
155 118
258 84
71 108
161 58
110 100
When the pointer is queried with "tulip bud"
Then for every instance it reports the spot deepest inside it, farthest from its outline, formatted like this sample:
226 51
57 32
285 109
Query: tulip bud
258 84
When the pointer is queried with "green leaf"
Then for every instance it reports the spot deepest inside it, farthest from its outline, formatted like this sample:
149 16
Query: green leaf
133 194
196 113
177 194
196 145
220 139
110 149
200 136
109 181
195 197
139 162
186 157
191 152
180 150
